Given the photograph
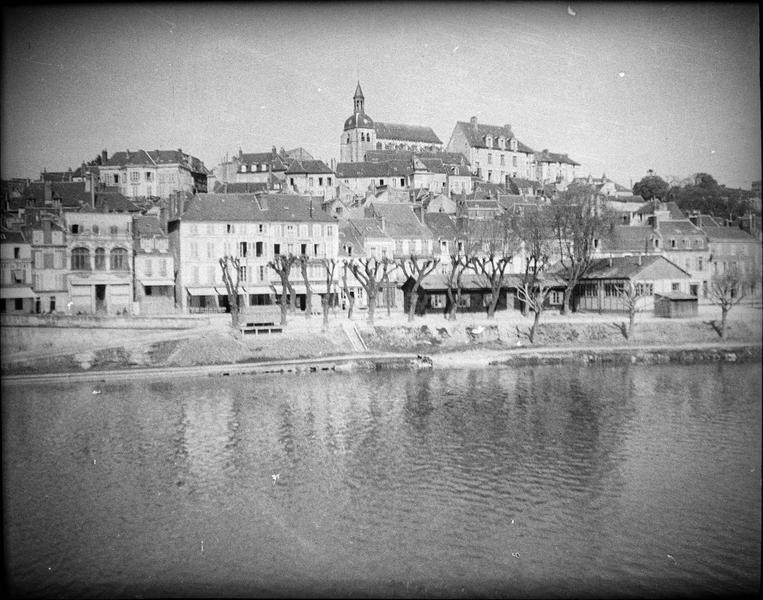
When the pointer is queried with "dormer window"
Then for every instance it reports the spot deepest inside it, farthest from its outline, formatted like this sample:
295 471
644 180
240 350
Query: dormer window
513 144
502 142
489 141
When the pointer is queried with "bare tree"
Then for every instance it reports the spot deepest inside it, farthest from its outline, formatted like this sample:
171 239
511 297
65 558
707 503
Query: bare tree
228 264
533 226
329 264
534 296
345 288
727 290
388 267
579 221
304 262
632 295
366 271
417 269
458 264
490 270
282 264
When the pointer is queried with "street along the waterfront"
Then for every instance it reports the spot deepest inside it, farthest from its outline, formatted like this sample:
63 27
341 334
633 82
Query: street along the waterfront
536 481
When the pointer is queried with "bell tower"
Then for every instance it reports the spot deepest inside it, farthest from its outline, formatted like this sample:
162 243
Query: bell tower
359 134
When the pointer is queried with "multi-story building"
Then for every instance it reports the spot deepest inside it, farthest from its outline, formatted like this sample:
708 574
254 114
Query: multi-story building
154 173
361 177
551 167
255 230
50 265
734 248
311 177
254 167
154 267
494 152
361 135
16 295
100 249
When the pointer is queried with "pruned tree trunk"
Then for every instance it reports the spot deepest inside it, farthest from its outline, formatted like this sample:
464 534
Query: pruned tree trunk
724 318
536 320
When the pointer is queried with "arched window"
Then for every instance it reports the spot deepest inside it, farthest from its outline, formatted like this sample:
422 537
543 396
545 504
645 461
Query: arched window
100 259
348 139
80 259
119 260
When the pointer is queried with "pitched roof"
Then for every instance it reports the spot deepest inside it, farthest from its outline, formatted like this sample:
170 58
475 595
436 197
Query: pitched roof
442 225
675 213
240 187
288 207
222 207
475 137
352 170
400 221
408 133
553 157
447 158
630 238
114 202
308 166
727 234
367 228
146 226
678 227
626 267
70 193
155 157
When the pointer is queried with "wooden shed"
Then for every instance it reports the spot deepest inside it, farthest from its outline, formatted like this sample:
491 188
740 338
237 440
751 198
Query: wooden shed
675 305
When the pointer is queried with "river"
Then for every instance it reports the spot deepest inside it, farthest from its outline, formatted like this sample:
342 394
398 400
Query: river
637 481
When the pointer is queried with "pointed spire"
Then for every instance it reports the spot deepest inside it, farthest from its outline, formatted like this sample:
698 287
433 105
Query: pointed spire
358 92
358 99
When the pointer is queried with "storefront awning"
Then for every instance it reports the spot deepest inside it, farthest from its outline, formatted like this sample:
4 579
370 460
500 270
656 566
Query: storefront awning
157 281
258 289
22 291
201 291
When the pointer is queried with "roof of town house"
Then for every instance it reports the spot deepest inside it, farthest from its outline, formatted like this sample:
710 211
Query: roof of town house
57 175
308 166
223 207
727 234
678 227
675 213
276 162
113 202
407 133
240 187
630 238
70 193
442 226
12 237
155 158
368 228
476 136
650 266
299 153
707 221
400 221
348 236
350 170
553 157
448 158
146 226
285 207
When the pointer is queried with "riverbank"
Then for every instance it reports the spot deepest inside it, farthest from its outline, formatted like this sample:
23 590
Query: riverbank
470 341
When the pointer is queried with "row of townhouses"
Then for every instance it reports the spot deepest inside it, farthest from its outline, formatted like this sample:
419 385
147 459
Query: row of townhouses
142 231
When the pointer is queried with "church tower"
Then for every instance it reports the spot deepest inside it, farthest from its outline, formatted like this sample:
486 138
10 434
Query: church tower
359 135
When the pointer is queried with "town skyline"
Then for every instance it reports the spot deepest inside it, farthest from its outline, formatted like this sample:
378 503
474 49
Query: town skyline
620 89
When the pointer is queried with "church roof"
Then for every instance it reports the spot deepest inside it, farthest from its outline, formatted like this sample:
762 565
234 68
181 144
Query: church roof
408 133
359 120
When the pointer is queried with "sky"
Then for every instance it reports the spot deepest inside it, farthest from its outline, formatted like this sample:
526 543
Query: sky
620 87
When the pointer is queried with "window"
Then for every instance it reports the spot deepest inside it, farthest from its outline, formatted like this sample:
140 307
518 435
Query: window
148 267
116 179
402 181
242 249
489 175
699 263
381 182
262 272
320 181
291 181
242 274
194 250
675 286
310 181
290 230
52 303
258 249
113 230
163 267
328 180
134 176
16 252
489 158
329 230
503 160
513 161
18 303
276 249
75 228
80 259
316 249
119 260
656 243
148 176
260 228
47 260
672 243
230 228
644 289
100 259
303 249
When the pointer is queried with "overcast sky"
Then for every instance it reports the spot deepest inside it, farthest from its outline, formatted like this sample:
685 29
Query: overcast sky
621 88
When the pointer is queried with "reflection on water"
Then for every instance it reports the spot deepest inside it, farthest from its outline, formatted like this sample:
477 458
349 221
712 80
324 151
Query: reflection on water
551 481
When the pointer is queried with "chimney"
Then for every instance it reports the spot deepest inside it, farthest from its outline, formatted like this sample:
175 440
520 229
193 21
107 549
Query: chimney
473 121
104 157
639 260
507 127
610 262
47 192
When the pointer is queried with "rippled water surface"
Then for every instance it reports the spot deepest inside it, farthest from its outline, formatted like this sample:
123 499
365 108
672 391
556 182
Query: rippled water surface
546 481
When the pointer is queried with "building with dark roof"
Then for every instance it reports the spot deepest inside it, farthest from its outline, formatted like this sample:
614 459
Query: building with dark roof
554 167
494 152
255 228
154 173
16 294
361 134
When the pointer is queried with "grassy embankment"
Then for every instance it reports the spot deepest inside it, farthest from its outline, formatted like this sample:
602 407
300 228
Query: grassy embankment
27 350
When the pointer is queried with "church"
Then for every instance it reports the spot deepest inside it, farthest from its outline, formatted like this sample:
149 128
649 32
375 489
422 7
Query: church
361 134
